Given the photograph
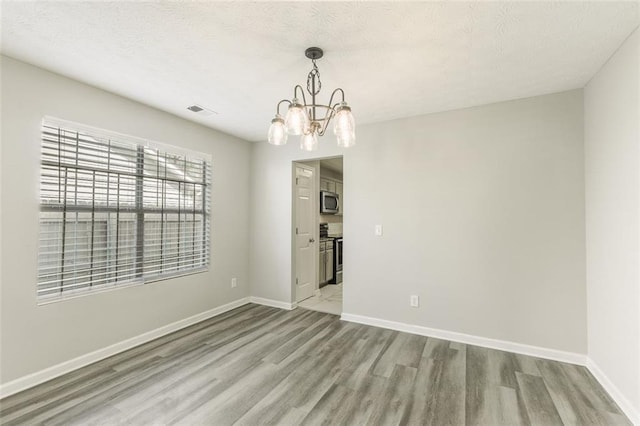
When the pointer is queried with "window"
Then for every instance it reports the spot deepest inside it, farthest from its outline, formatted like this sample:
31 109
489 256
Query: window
116 210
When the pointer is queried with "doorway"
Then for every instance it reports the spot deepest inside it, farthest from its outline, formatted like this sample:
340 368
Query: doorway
327 209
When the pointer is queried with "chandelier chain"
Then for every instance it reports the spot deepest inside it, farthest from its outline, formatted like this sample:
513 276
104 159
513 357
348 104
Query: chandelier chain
313 74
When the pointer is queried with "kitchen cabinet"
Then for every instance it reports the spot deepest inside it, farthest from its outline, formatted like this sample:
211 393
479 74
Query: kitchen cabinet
324 184
325 262
321 264
329 262
327 185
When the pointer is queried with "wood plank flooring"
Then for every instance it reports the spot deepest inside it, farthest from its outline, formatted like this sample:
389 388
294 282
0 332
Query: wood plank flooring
257 365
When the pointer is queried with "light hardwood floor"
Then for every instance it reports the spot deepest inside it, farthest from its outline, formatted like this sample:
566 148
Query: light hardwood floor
260 365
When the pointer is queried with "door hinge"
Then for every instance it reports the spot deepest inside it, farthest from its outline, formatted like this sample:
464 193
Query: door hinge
296 231
296 181
296 281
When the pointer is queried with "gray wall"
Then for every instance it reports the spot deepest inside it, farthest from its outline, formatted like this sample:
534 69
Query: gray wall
612 170
483 215
36 337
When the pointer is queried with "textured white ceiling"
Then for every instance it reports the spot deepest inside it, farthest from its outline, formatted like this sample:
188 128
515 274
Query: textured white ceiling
393 59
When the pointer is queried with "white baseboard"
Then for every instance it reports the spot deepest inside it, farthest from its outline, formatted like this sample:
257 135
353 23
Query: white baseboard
272 303
503 345
42 376
624 404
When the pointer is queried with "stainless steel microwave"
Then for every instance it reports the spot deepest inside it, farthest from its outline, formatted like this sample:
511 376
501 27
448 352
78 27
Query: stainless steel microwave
329 202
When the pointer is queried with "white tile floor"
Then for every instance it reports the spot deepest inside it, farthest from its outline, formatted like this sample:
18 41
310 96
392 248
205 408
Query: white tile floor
329 301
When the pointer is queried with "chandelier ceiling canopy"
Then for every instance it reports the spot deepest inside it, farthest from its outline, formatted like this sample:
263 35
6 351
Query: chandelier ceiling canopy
311 120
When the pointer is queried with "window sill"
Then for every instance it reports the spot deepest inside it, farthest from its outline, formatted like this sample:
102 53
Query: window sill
74 294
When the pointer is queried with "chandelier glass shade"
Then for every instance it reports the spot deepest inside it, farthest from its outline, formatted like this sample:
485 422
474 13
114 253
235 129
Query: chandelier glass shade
297 121
277 131
309 141
310 119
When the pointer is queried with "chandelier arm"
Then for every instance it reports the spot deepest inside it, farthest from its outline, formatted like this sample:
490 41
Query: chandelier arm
327 118
333 94
295 91
280 103
325 124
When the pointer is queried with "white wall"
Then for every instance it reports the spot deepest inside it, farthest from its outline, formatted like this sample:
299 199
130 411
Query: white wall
36 337
612 174
483 214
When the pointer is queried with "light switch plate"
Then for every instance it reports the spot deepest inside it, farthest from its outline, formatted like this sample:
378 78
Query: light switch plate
415 301
378 230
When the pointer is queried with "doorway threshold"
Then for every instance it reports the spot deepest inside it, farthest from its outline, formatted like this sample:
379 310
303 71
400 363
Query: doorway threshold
329 300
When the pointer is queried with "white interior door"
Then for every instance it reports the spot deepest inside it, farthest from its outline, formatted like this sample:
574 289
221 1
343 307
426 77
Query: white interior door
305 233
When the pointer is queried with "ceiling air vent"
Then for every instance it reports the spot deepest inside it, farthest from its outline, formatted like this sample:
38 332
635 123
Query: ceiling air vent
200 110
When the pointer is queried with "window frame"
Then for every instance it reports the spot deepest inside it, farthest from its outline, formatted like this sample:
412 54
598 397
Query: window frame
144 270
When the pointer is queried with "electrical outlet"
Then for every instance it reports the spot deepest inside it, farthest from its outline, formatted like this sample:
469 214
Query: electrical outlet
234 282
415 301
378 231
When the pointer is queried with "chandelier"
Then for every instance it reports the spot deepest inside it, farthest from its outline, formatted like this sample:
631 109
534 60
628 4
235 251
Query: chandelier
310 120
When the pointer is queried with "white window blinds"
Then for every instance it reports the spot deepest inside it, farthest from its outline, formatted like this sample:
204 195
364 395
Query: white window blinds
116 210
